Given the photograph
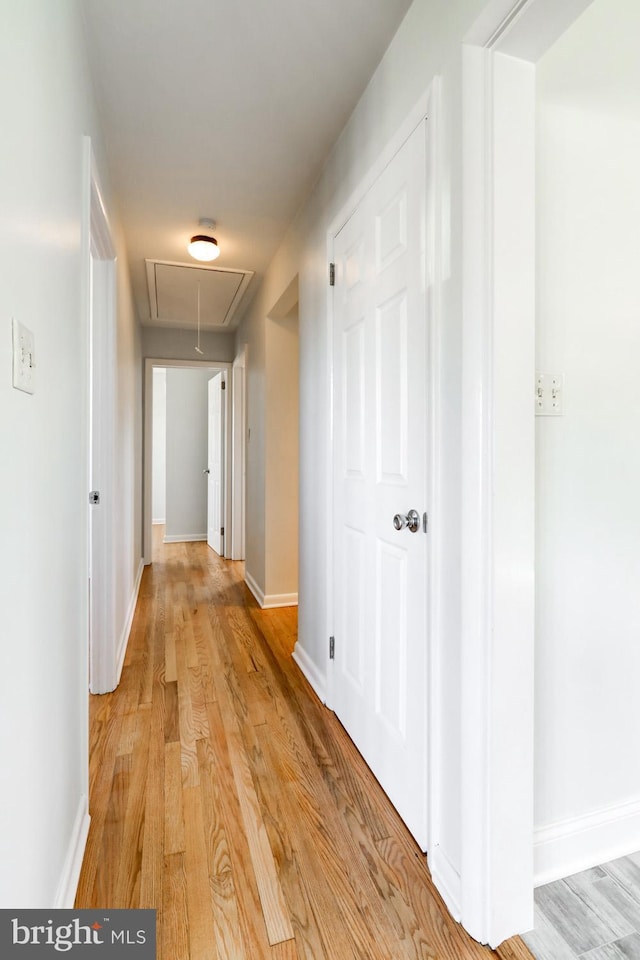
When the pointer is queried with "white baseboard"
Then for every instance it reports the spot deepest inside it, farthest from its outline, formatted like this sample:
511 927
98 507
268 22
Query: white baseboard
126 630
185 538
68 885
269 601
569 846
446 879
310 670
272 600
255 589
158 521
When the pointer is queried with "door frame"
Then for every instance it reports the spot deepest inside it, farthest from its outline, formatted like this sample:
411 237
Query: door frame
99 268
426 110
147 440
225 550
498 456
238 458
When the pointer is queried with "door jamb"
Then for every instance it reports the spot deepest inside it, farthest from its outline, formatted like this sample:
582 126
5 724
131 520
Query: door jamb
98 245
498 457
147 440
239 429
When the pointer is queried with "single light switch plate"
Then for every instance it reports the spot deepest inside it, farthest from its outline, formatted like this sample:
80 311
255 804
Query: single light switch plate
23 358
549 394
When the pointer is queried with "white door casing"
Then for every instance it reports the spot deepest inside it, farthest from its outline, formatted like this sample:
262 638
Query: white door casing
216 466
380 448
498 453
238 456
100 264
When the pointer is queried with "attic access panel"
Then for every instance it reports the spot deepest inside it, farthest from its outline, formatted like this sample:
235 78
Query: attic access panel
173 294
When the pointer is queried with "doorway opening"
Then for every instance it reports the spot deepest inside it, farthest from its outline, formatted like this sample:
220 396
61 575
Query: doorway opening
546 244
178 463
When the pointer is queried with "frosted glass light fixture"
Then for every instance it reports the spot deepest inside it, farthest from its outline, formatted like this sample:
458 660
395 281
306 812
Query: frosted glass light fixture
202 246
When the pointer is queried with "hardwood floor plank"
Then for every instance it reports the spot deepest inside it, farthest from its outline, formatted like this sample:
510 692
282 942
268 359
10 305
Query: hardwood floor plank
250 916
153 835
274 908
287 950
172 714
101 773
315 912
129 864
105 891
171 669
174 940
199 906
173 810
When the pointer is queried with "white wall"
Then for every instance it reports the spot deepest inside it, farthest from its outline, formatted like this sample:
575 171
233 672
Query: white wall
169 343
588 477
427 43
46 108
159 441
186 453
281 473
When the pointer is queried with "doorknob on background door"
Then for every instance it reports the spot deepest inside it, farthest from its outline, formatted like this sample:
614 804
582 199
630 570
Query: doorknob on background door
409 520
206 470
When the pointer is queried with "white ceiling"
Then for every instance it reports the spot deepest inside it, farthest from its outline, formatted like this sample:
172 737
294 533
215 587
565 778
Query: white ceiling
225 109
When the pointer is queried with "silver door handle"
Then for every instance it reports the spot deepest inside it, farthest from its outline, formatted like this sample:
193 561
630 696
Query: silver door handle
206 471
410 520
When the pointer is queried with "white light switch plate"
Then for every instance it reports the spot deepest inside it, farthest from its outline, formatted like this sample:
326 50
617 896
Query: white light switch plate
23 358
549 397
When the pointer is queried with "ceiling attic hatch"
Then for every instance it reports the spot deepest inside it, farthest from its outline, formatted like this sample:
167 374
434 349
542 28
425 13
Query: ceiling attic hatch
173 294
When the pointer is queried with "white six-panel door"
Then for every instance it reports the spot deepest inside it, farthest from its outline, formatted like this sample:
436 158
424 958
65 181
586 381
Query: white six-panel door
380 444
215 466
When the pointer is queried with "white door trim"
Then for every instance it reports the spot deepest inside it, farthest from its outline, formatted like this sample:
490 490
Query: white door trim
238 454
425 109
498 456
147 440
100 309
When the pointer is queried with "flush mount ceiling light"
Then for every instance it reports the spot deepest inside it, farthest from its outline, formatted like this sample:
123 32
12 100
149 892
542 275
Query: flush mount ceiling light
202 246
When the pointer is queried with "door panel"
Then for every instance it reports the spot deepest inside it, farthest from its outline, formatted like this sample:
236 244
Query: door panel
380 444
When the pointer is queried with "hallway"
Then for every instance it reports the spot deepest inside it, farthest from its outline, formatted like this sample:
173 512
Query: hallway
227 797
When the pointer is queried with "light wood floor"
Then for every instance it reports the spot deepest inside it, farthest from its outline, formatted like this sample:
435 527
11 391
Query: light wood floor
225 795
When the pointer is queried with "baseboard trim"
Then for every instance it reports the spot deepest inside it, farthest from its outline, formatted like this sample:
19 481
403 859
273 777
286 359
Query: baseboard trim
68 885
126 631
273 600
158 522
310 671
569 846
446 879
270 601
255 589
184 538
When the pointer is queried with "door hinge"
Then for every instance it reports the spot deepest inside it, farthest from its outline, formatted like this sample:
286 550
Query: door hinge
222 531
224 385
332 274
332 648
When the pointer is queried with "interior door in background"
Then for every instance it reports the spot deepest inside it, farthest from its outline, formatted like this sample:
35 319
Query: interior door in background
380 447
215 465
